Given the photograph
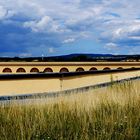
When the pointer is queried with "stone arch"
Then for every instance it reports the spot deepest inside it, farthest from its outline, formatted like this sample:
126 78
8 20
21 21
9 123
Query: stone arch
34 70
20 70
119 68
107 68
48 70
7 70
64 70
80 69
132 67
93 69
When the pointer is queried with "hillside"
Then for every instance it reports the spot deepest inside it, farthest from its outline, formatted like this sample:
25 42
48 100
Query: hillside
75 57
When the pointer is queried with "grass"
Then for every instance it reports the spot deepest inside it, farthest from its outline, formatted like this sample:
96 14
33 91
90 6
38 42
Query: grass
111 113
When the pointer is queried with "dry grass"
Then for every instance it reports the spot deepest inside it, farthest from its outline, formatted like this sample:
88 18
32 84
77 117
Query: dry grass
111 113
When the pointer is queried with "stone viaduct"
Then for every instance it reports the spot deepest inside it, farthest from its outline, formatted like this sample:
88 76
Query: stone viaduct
26 78
47 67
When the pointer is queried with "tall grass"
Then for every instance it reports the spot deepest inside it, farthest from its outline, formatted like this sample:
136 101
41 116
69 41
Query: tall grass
111 113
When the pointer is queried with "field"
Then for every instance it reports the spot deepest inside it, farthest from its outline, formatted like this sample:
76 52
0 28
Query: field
111 113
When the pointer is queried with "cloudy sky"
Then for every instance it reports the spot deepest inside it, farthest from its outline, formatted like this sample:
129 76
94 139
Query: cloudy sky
57 27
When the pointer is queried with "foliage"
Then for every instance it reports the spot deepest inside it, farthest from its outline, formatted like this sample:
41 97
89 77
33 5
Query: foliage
104 114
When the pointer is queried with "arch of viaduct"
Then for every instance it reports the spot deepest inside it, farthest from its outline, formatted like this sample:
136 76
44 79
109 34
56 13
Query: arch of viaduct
47 67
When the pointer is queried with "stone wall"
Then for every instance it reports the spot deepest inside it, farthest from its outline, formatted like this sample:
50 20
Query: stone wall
13 84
